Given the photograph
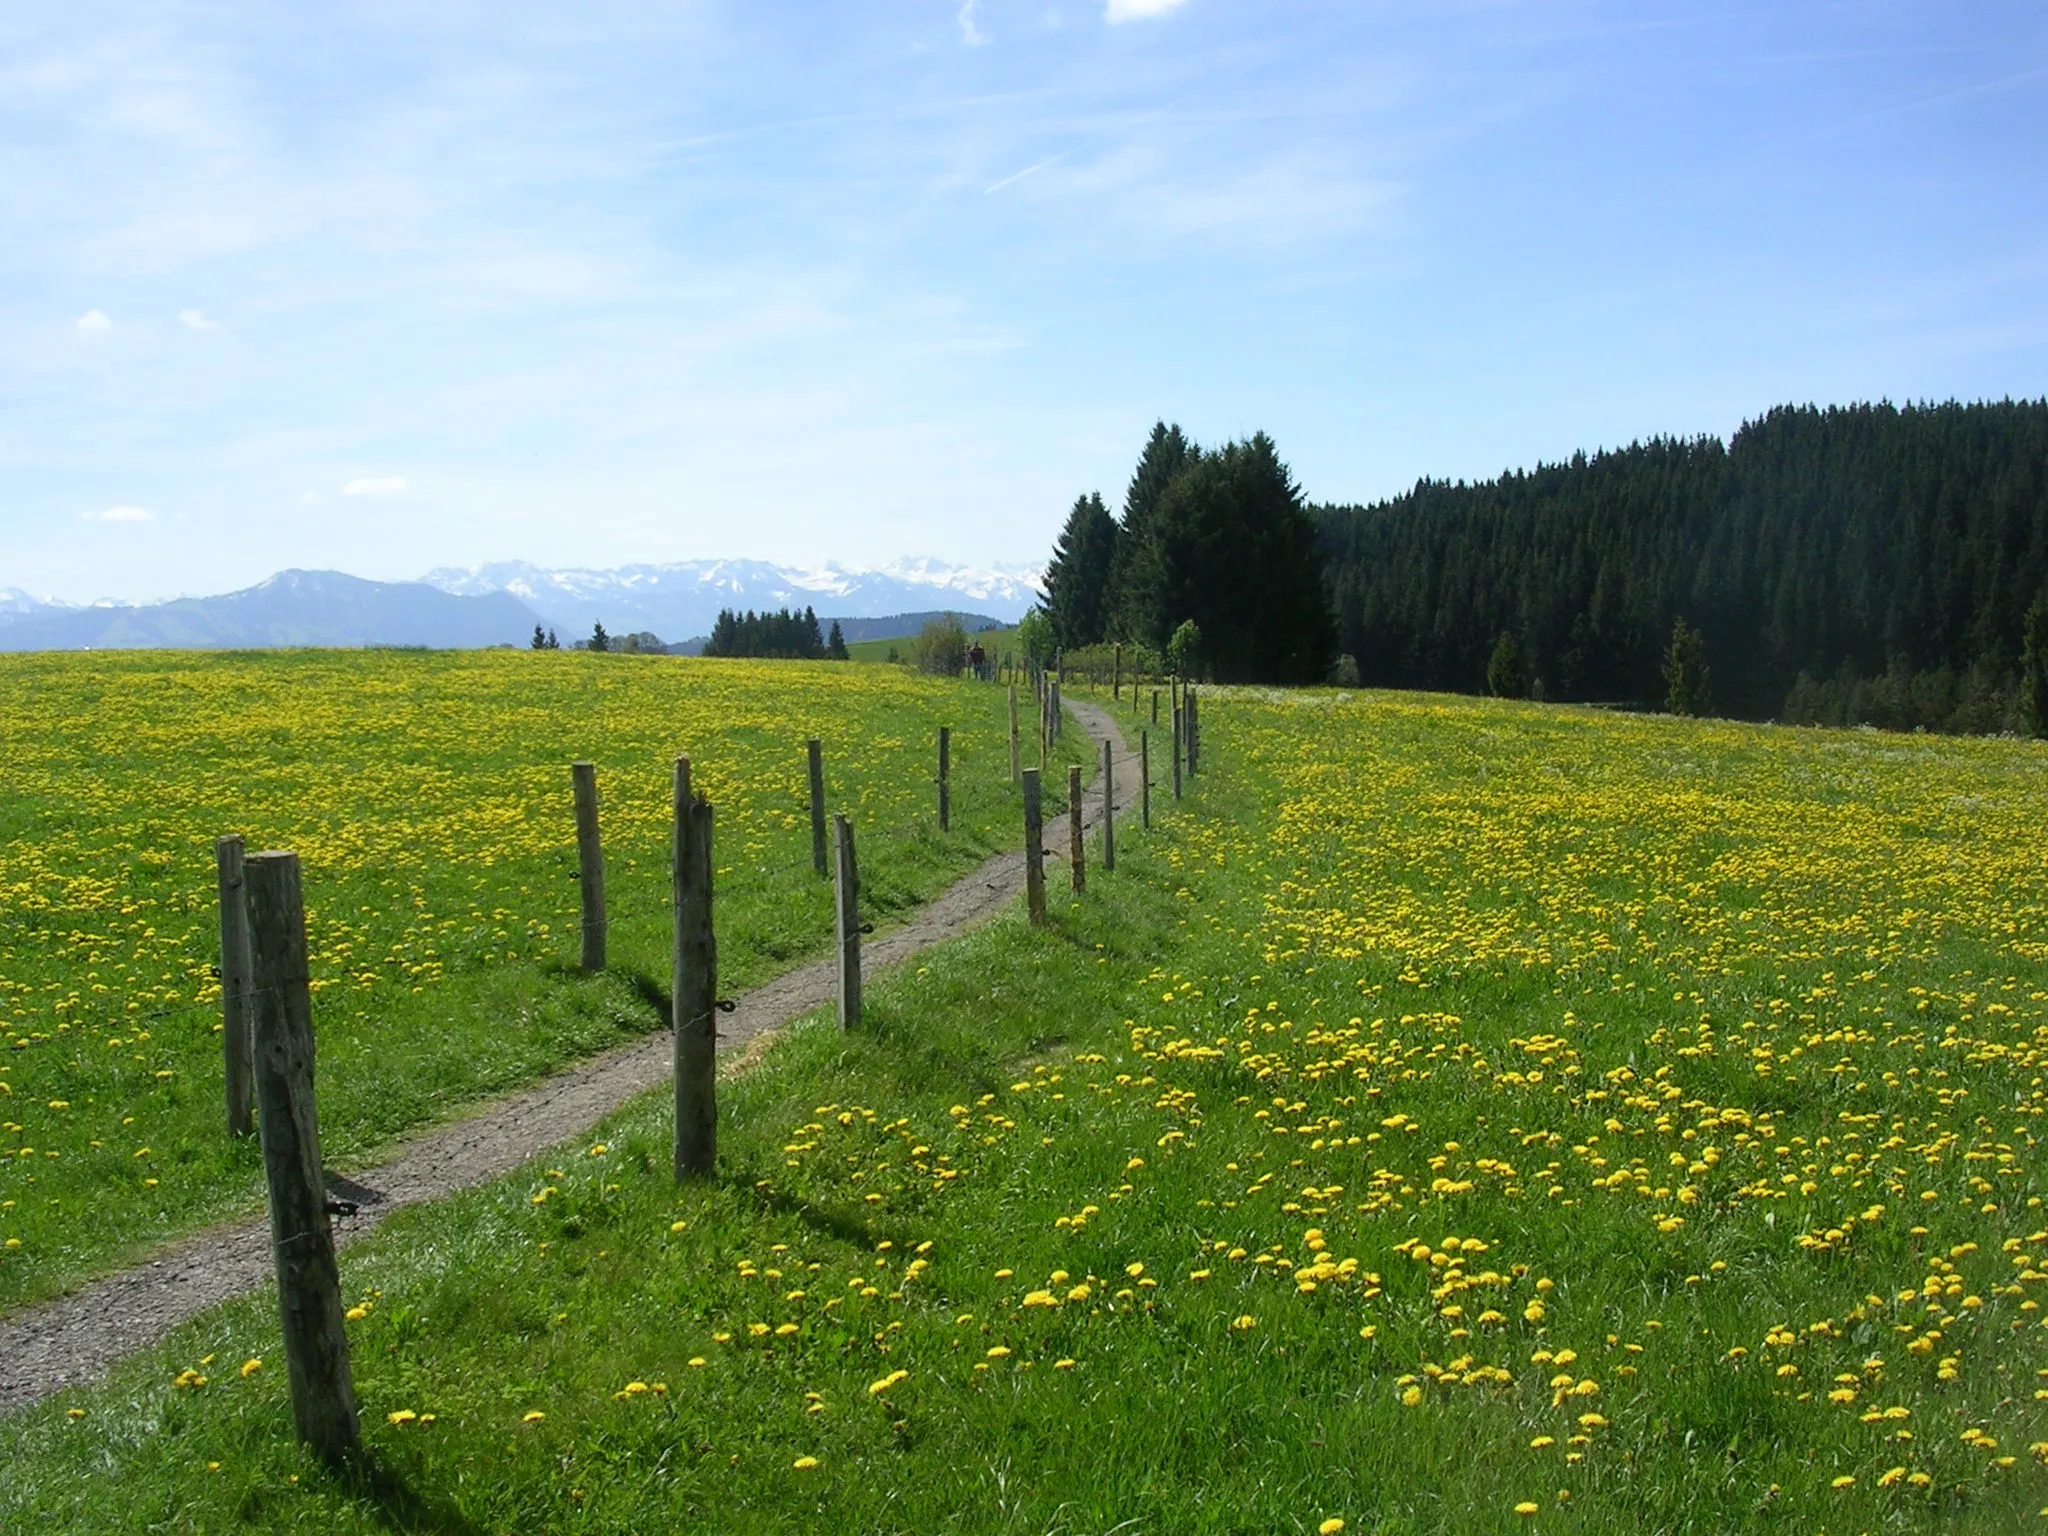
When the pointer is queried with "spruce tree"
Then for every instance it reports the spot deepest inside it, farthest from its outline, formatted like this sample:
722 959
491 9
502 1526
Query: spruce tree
1685 671
1236 552
2034 668
835 644
599 640
1133 581
1507 674
1077 579
540 639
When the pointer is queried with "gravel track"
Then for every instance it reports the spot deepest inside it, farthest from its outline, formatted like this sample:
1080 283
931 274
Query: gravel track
76 1339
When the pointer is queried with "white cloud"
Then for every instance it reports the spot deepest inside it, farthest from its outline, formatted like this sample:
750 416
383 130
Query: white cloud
375 485
970 34
1137 10
94 322
119 515
195 320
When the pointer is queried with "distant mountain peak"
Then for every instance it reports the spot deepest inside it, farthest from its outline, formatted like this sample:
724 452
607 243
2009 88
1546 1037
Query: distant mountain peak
683 598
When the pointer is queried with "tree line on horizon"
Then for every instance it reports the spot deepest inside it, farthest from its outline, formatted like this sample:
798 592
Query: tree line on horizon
1213 560
1846 565
783 635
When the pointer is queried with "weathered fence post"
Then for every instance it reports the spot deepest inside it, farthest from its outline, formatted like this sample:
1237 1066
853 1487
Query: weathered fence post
1145 779
1178 727
234 983
1059 718
301 1242
1155 706
945 777
694 985
1077 847
1116 676
1108 807
848 915
816 751
1016 763
590 864
1194 732
1034 848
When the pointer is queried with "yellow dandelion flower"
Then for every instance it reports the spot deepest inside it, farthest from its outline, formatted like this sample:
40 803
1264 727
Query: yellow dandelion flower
1527 1507
1330 1527
805 1463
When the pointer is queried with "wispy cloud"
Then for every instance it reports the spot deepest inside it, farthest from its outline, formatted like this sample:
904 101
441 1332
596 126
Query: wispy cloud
1137 10
970 34
119 515
375 485
94 322
1027 171
195 320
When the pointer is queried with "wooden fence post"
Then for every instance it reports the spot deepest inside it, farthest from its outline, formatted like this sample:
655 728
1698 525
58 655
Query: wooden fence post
1194 732
236 1050
1155 706
1178 727
694 985
1034 848
1108 807
1116 676
1145 779
1016 763
816 752
590 864
945 777
301 1242
1077 847
848 914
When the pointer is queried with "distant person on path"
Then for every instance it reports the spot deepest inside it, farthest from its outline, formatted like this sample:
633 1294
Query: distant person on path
977 661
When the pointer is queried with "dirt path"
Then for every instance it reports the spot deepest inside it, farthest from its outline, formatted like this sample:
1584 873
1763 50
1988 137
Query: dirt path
76 1339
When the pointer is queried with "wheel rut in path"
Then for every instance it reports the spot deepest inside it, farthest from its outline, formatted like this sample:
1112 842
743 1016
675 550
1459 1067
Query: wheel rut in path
76 1339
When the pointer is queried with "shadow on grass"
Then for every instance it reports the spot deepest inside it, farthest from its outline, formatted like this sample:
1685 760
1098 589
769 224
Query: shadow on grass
399 1505
848 1229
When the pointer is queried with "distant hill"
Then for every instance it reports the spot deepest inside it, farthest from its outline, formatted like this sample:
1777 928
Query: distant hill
292 608
684 598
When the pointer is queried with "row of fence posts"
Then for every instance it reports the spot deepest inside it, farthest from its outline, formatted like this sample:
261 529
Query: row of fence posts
267 1014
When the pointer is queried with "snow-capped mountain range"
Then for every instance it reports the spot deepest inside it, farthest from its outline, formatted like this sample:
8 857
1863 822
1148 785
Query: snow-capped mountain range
499 605
682 600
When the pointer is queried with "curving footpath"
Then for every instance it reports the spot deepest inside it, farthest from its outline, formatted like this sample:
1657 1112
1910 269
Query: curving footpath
76 1339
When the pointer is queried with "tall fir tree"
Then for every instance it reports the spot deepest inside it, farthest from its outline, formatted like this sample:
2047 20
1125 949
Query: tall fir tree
1077 578
1234 550
1134 571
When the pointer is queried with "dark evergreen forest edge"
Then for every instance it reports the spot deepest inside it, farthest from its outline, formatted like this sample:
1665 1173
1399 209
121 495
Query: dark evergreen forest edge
1848 565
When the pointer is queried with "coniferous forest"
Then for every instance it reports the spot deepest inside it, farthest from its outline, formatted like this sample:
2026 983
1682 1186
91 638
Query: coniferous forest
1855 564
783 634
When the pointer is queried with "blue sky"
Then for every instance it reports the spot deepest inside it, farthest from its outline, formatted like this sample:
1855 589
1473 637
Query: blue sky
389 286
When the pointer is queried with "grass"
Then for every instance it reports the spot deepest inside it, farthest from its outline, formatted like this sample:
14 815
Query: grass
428 797
1455 1117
